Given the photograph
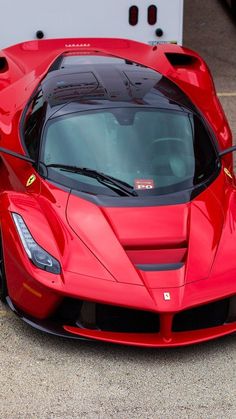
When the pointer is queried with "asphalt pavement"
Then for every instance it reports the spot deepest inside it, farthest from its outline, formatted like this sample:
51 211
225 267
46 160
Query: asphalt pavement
48 377
210 30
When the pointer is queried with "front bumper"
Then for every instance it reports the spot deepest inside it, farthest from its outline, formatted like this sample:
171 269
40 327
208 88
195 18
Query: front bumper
150 329
37 296
155 340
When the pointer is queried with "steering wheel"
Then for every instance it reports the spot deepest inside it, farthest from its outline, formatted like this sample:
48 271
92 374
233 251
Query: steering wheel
166 139
175 163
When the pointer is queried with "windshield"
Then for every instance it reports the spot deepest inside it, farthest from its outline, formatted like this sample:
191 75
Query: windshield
156 151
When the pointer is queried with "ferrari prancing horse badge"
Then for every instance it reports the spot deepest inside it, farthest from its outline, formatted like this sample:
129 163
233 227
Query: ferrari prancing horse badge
31 180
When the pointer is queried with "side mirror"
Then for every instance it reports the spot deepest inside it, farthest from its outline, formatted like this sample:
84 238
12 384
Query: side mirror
17 155
227 151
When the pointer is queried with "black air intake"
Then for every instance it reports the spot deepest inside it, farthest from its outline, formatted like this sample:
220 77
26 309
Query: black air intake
182 60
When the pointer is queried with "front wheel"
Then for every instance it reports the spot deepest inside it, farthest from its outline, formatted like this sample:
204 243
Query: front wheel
233 7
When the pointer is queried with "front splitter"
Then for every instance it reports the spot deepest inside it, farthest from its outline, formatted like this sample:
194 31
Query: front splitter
46 326
155 340
131 339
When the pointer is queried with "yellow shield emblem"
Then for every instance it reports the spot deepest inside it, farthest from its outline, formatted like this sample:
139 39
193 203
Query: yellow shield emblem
31 180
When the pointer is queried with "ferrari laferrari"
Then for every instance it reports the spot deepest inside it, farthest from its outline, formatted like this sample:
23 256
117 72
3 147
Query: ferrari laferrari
117 193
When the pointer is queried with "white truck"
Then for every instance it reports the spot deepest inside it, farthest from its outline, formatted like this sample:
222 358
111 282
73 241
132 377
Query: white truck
148 21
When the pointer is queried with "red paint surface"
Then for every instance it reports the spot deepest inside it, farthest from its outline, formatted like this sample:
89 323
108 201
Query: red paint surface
99 252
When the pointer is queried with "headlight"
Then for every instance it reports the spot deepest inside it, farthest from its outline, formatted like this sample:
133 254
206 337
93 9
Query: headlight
36 254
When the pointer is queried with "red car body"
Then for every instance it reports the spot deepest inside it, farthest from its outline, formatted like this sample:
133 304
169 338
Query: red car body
99 253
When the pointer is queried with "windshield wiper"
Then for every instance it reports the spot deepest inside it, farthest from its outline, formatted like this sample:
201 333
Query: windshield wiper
107 180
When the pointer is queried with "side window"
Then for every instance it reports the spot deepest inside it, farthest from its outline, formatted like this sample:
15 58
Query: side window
33 124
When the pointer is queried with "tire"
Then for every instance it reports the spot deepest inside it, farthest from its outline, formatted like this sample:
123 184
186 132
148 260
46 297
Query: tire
3 282
233 7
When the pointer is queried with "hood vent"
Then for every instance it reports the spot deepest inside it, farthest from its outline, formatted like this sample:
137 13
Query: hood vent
157 256
160 267
156 259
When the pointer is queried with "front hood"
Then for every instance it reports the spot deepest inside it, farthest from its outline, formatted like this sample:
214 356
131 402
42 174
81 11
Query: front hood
154 246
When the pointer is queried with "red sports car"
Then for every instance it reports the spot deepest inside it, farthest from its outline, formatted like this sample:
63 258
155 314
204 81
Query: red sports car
118 199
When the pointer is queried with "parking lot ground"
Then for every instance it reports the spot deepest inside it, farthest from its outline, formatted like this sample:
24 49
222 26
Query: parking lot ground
47 377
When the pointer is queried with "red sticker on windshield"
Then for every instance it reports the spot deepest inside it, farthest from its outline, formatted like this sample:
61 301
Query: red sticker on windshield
144 184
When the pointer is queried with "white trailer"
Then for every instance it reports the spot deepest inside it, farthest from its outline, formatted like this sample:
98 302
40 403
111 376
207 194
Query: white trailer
149 21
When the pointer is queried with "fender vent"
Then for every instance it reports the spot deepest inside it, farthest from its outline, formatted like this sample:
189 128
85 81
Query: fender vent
181 60
3 65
